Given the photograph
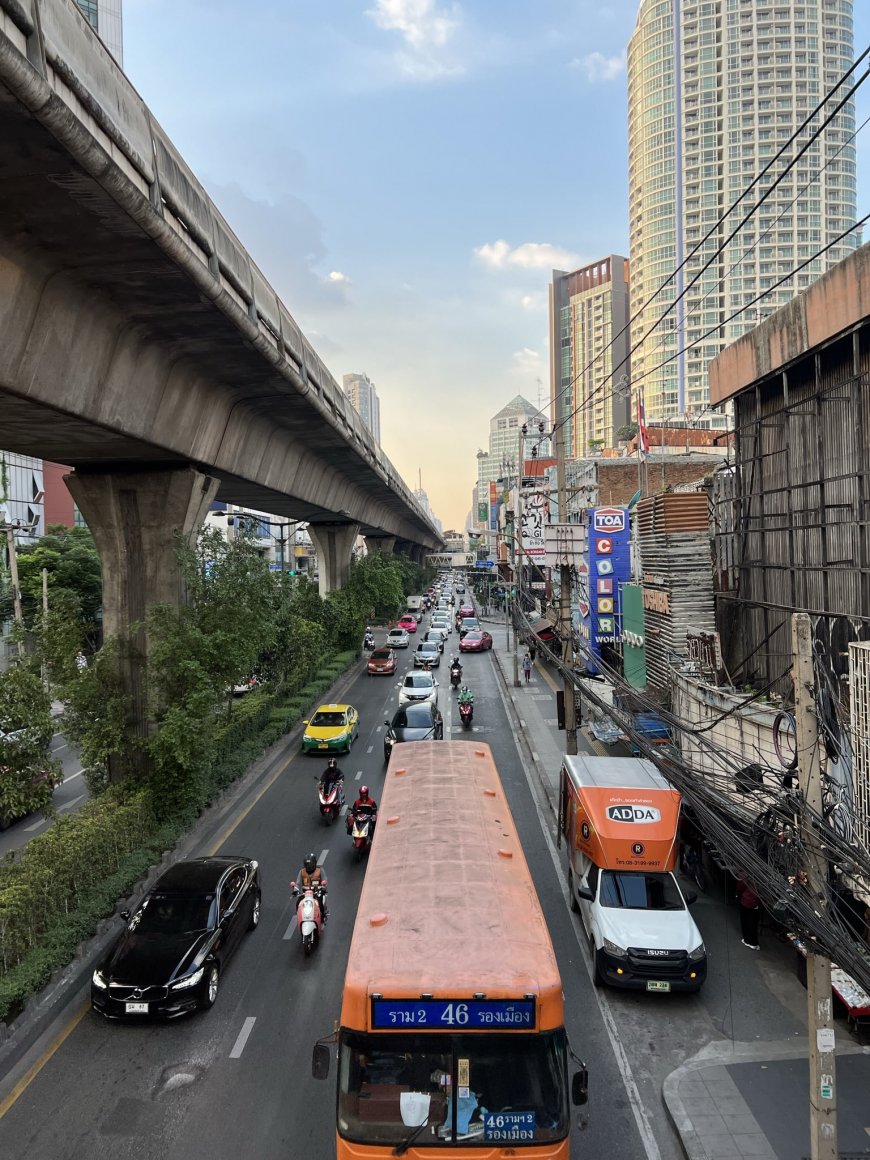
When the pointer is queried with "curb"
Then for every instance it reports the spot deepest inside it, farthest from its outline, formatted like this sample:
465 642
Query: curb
522 740
66 984
721 1053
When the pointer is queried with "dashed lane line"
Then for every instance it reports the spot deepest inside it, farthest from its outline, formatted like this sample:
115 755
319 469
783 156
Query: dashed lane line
242 1038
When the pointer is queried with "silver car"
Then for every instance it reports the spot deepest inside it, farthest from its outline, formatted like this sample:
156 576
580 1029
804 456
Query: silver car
418 687
397 638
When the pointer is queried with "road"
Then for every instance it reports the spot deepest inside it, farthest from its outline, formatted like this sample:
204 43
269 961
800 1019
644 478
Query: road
68 796
236 1081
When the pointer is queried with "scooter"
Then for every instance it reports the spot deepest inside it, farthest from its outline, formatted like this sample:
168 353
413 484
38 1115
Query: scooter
309 916
331 799
455 678
361 827
466 713
368 642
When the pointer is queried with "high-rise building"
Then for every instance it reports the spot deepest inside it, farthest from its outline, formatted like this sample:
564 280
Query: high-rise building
423 500
589 342
715 89
500 461
364 399
105 17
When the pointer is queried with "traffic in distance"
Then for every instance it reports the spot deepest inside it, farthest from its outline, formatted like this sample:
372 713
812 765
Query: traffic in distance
454 1038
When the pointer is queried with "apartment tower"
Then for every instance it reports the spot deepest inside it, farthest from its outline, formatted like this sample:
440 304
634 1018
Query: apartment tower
589 365
363 397
106 18
715 89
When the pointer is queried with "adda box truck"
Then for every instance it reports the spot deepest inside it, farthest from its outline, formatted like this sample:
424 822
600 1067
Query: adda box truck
619 818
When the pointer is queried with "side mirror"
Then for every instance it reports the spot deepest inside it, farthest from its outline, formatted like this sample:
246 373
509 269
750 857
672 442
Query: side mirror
691 897
125 914
320 1061
585 893
305 722
579 1087
387 724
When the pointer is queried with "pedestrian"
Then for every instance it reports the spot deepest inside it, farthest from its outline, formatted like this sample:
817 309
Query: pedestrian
533 652
750 914
81 661
527 667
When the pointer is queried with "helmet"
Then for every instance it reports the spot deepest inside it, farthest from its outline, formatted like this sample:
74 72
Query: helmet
363 792
310 863
332 763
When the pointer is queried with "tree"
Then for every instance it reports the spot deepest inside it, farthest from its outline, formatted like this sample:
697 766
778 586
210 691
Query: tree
70 557
28 773
626 432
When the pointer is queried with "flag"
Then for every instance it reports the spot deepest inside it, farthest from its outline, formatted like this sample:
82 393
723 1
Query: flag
642 433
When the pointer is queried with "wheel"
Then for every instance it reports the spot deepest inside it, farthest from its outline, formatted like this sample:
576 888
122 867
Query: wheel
359 853
254 920
210 991
597 977
575 905
308 945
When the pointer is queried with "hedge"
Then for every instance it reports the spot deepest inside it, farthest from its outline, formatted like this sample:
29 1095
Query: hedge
70 877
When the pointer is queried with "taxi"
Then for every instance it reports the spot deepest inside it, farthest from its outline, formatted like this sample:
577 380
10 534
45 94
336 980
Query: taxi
332 729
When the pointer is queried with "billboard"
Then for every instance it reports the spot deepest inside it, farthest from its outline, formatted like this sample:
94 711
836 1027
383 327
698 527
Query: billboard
608 566
536 517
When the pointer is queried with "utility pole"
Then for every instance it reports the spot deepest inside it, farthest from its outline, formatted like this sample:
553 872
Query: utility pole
517 545
566 628
823 1076
16 591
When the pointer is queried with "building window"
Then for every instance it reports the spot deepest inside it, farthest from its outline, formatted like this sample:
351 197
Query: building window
89 10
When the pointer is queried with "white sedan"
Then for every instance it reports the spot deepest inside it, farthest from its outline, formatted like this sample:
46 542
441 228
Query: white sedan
418 687
397 638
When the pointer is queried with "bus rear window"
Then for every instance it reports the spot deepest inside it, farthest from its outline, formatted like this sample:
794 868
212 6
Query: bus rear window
508 1088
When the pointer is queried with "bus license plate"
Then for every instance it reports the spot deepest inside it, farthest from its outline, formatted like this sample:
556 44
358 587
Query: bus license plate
657 985
136 1008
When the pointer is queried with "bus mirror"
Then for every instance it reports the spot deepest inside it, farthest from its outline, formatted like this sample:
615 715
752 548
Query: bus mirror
320 1061
580 1087
691 897
585 893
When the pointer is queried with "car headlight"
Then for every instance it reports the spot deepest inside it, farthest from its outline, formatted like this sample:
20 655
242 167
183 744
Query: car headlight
612 949
188 980
99 981
699 952
388 740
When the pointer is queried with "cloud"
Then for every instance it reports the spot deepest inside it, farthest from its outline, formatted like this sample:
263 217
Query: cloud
528 362
425 28
337 278
599 68
421 22
501 255
533 301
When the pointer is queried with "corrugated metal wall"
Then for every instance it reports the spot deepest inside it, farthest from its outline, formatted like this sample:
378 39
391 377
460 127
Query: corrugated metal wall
799 540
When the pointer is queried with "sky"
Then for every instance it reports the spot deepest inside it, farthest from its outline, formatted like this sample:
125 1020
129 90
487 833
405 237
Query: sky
407 173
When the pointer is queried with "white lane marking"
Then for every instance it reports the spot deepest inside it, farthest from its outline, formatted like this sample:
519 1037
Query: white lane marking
35 826
641 1117
535 756
370 748
343 810
379 728
58 748
72 777
74 802
288 933
322 857
522 723
242 1039
359 775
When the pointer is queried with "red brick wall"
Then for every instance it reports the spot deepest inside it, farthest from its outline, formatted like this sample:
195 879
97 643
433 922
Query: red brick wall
617 482
58 501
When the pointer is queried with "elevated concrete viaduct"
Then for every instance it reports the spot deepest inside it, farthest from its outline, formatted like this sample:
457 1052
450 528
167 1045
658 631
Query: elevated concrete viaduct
139 342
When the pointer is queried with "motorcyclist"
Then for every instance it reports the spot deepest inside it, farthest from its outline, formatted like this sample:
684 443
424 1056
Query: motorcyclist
329 776
312 875
465 696
369 638
366 804
455 666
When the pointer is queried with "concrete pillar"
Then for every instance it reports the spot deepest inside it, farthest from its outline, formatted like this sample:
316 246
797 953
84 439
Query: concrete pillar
134 518
382 544
333 544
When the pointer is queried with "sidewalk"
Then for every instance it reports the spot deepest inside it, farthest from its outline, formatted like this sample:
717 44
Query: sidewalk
731 1100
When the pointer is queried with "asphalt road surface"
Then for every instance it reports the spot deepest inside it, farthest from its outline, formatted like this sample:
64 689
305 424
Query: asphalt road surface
236 1081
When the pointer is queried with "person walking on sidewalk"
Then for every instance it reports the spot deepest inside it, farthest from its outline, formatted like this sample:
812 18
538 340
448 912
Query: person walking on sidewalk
533 652
527 667
750 914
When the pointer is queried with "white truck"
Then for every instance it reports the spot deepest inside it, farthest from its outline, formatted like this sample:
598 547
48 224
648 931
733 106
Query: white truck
415 607
620 819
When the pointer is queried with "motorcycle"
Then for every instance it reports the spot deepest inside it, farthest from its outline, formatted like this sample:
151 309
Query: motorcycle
309 915
466 713
331 799
368 642
361 827
455 678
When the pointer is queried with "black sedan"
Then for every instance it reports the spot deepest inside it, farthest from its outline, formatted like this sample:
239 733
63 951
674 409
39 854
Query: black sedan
413 723
178 940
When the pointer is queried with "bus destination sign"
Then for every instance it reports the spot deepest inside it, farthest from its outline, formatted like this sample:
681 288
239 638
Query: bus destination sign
452 1014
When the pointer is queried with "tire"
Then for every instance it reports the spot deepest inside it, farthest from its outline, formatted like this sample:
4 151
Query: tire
308 946
597 977
575 905
211 988
254 920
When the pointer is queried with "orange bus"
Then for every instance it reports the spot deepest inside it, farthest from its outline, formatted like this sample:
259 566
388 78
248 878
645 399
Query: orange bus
452 1039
